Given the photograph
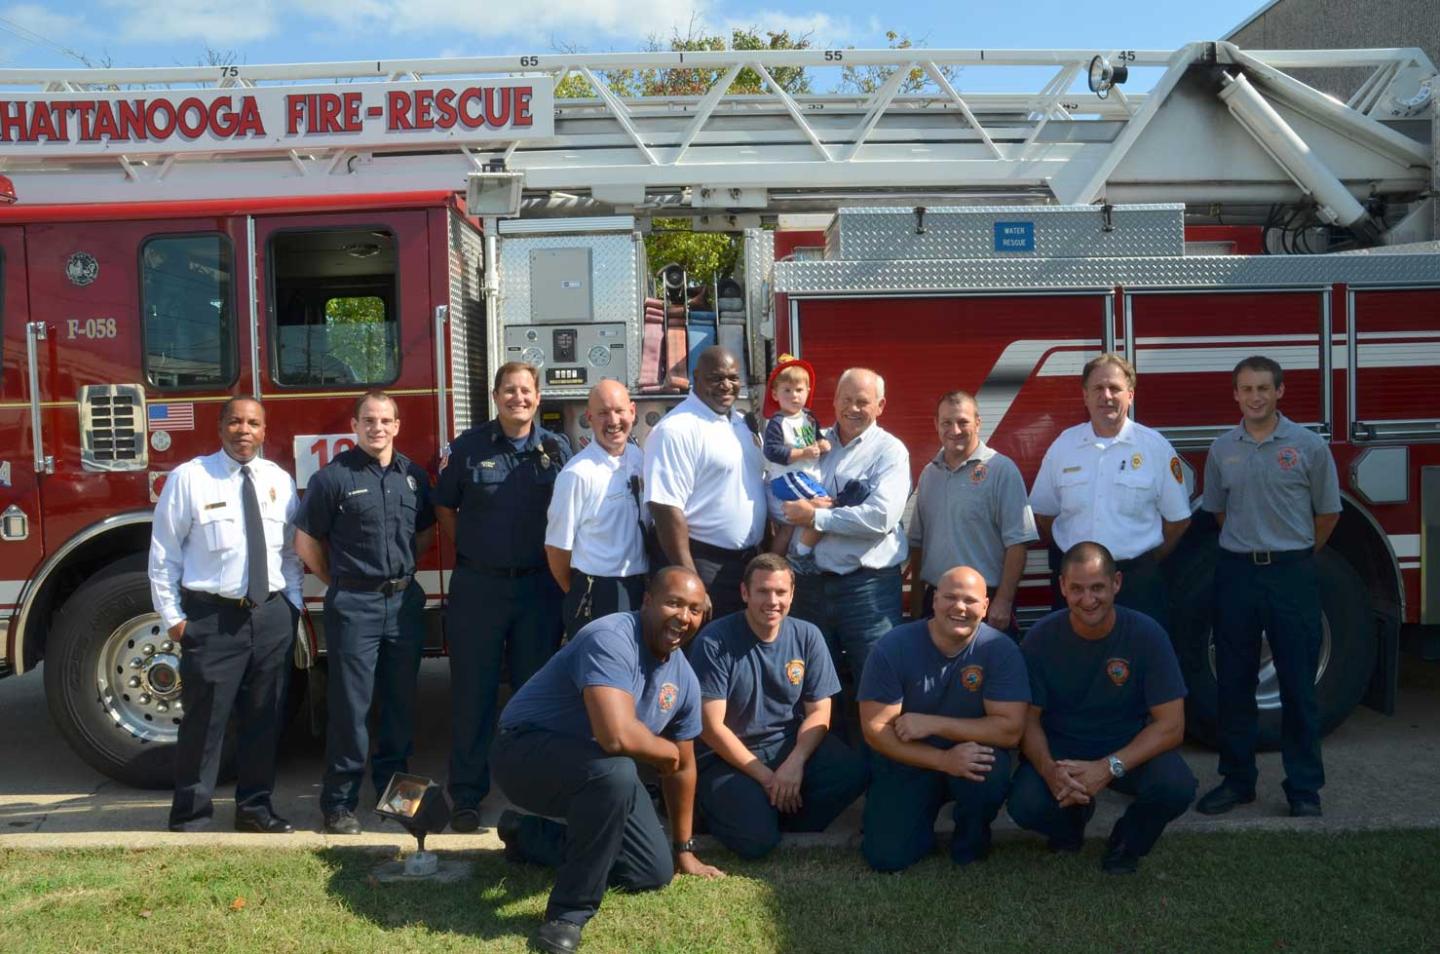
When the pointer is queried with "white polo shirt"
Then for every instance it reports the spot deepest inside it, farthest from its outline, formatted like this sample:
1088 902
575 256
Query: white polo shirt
595 516
1113 490
708 466
197 541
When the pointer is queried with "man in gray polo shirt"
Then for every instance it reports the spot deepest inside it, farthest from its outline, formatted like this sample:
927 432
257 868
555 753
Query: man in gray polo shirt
1273 488
971 510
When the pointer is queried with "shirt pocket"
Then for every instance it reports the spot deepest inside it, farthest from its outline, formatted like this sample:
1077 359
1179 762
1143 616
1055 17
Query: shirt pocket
1135 493
1074 489
222 528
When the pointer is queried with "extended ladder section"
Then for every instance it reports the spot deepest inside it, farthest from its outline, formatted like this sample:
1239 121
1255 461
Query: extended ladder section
1220 128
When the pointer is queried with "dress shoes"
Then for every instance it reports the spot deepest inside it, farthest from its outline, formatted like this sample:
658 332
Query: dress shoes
1222 798
1305 808
465 820
263 823
556 937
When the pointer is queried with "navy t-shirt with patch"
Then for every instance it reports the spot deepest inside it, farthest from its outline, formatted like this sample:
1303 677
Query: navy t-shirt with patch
1097 694
764 685
609 652
906 667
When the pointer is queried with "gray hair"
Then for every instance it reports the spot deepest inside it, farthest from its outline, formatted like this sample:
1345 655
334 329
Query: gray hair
850 373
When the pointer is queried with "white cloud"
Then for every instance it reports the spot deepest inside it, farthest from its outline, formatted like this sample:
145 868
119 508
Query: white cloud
560 20
223 24
821 28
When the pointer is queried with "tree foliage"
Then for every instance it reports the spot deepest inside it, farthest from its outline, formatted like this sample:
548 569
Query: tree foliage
705 256
867 79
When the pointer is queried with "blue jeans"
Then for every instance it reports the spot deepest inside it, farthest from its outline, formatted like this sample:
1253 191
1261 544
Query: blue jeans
853 610
903 801
492 620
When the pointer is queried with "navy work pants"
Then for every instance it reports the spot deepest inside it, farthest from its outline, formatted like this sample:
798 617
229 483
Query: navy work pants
591 597
902 803
493 621
721 571
1281 599
611 835
738 812
374 642
232 659
1163 788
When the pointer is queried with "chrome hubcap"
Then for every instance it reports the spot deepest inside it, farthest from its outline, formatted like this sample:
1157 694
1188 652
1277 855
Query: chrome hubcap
138 679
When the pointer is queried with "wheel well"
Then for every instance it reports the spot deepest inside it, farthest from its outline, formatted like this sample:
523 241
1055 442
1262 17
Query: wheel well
1359 539
87 559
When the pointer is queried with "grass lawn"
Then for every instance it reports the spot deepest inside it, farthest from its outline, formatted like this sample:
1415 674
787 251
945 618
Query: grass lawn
1371 892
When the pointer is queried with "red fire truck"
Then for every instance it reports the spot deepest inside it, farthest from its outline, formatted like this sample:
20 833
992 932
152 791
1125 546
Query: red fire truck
303 232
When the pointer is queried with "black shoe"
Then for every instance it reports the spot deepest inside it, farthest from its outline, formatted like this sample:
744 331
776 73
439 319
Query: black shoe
201 823
1119 859
1222 798
465 820
556 937
263 823
508 828
342 822
1305 808
1059 846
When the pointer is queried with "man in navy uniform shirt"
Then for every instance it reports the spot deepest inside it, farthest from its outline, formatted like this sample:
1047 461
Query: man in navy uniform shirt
1108 709
618 694
942 703
364 519
503 603
766 680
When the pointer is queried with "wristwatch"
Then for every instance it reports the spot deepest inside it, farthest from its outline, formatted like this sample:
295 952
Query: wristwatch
1117 767
681 847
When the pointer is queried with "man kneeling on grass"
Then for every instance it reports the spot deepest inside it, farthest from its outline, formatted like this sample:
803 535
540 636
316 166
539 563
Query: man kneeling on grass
942 702
1108 711
618 694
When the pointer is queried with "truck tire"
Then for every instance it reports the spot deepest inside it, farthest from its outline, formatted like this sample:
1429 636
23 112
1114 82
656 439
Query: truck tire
112 678
1347 651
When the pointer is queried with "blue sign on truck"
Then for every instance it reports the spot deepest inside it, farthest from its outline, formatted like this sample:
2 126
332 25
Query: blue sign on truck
1014 236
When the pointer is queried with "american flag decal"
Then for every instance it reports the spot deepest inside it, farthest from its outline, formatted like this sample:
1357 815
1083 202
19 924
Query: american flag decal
171 417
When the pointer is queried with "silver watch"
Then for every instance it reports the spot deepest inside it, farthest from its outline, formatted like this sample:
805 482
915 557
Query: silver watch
1117 767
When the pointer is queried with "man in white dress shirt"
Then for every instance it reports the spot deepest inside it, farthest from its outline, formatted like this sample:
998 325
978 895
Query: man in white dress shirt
593 529
1117 483
225 580
705 482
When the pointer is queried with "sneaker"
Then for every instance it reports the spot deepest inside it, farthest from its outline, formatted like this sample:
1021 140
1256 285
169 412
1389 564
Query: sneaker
342 822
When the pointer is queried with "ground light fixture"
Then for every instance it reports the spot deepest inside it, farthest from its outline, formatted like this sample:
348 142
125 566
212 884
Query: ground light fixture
420 806
1103 76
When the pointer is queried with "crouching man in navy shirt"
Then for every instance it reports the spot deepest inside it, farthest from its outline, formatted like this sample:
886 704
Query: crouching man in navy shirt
942 704
769 763
1108 710
618 694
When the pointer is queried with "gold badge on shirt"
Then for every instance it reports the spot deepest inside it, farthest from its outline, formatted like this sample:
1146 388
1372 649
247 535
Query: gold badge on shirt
1135 461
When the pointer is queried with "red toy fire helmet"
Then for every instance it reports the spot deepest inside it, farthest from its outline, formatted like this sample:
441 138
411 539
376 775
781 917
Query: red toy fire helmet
788 361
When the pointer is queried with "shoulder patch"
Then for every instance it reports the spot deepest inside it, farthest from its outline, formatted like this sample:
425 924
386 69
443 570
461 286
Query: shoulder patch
1175 470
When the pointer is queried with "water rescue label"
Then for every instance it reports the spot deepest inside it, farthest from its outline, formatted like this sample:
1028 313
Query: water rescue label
353 116
1014 236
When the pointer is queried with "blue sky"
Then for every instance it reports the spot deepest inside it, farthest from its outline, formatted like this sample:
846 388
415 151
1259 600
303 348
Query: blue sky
177 32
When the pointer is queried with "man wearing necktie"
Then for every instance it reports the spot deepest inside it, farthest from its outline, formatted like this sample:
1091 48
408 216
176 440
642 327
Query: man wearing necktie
226 582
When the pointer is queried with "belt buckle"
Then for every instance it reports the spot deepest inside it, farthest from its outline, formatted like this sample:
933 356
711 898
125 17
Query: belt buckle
247 603
1261 559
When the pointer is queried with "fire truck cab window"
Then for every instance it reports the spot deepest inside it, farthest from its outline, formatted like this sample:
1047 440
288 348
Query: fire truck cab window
188 311
335 317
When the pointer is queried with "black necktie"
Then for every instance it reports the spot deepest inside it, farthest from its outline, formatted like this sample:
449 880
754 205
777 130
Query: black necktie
257 571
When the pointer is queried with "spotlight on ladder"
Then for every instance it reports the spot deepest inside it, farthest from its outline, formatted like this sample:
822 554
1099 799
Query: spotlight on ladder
494 192
1103 76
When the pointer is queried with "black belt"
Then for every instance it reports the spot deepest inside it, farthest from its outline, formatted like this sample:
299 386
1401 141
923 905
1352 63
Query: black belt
1268 557
243 602
505 572
1143 559
372 584
712 552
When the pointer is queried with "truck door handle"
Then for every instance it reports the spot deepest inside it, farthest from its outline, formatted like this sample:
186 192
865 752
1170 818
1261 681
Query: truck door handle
34 334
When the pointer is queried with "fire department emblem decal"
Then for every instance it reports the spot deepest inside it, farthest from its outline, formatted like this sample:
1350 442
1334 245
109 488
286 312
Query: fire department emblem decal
795 671
1118 670
972 677
82 269
1175 470
1287 458
668 693
977 476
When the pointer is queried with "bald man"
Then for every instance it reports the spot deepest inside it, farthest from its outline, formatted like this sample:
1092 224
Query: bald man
594 533
618 701
705 482
942 705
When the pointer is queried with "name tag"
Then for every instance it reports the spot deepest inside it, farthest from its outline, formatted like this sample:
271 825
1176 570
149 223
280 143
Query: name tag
215 506
1071 470
356 493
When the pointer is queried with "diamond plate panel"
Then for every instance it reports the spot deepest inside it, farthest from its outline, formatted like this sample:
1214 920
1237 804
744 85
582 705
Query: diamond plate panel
759 301
969 232
617 262
1259 271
